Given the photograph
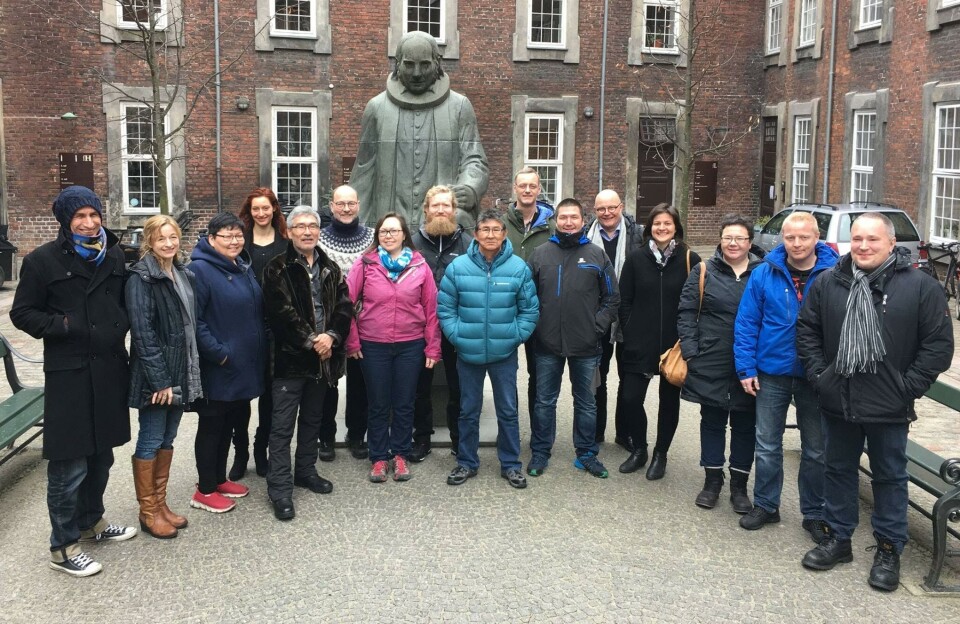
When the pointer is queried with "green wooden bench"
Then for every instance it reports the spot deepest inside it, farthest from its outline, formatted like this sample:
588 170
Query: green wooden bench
21 415
941 478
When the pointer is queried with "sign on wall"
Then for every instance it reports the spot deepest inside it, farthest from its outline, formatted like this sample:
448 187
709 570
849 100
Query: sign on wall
76 169
346 168
704 183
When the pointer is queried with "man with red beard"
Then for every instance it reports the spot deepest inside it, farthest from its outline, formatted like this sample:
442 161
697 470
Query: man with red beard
440 239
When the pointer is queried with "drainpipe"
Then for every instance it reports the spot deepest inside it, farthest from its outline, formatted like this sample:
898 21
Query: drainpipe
833 72
217 99
603 88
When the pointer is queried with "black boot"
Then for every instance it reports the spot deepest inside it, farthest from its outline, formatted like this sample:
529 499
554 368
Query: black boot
885 573
712 484
658 465
828 553
738 492
239 468
636 461
260 460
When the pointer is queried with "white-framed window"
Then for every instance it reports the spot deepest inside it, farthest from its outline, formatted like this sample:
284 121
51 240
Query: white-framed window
801 159
660 20
862 155
294 155
130 13
808 22
774 25
546 24
426 16
543 150
141 191
945 195
294 18
871 13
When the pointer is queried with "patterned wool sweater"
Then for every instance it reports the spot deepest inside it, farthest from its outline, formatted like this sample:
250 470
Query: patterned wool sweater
345 242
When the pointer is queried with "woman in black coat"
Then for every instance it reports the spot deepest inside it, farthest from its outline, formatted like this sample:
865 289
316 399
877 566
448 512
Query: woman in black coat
164 366
650 285
706 340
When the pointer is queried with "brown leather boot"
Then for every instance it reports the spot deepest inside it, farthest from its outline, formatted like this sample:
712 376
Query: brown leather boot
160 477
151 520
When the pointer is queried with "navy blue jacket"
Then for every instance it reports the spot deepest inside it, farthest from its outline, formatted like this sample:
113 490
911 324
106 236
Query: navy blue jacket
230 326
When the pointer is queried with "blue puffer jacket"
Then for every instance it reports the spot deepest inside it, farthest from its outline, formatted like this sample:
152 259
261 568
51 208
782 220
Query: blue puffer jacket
231 335
765 333
487 310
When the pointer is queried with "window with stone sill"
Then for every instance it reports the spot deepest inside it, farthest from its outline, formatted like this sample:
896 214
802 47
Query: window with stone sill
774 25
870 14
132 14
862 156
122 20
547 30
543 150
808 22
546 24
294 18
660 20
801 159
294 153
141 192
293 25
437 18
942 12
945 182
425 16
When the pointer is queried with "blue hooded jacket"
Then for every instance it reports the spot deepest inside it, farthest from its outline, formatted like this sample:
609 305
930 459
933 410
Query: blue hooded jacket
230 324
487 309
765 332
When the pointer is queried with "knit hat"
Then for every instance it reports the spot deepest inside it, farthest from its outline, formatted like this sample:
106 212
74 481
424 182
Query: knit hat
72 199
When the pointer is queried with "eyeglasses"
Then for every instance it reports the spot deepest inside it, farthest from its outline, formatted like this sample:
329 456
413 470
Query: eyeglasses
489 230
734 239
230 237
346 204
301 227
393 233
606 209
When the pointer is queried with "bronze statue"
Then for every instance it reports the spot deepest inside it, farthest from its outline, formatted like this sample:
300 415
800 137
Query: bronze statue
417 134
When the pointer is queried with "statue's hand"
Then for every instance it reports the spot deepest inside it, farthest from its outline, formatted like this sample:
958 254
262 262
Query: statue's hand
465 197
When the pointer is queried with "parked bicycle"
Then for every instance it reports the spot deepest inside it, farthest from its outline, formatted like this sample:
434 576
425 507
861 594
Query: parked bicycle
932 254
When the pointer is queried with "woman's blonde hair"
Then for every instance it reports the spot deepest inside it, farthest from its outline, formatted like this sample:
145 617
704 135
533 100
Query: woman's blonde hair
151 232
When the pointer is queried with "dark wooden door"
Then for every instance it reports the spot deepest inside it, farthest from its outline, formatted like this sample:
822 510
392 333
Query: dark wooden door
654 180
768 167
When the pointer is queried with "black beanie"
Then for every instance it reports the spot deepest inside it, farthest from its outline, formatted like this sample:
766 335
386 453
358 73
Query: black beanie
72 199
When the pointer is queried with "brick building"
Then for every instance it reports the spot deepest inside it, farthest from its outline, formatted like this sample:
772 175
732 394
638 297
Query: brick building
586 96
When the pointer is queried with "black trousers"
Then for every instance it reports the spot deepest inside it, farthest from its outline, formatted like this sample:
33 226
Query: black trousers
529 353
634 392
423 405
356 408
298 404
265 416
601 394
218 419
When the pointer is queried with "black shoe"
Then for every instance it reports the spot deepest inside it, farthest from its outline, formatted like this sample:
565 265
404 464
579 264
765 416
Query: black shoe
283 509
314 483
885 573
817 529
358 448
626 442
460 474
712 484
239 468
260 461
327 451
738 492
658 466
758 517
420 451
827 554
636 461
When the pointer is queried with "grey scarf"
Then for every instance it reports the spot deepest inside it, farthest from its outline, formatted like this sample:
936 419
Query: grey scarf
861 343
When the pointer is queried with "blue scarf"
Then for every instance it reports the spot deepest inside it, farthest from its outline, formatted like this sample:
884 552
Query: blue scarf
91 248
395 267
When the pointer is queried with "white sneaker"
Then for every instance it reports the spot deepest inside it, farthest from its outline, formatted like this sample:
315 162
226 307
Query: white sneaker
78 565
113 533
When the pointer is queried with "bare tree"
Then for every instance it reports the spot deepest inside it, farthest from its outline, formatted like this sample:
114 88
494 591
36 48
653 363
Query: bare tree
708 45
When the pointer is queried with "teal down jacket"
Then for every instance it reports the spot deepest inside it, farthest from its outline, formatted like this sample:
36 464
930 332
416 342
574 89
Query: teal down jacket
487 310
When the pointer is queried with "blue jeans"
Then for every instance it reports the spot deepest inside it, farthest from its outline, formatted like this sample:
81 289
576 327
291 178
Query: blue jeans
713 437
75 495
887 450
772 402
391 371
503 378
158 429
583 371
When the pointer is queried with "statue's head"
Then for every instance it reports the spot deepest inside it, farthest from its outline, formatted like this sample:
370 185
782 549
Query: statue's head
418 62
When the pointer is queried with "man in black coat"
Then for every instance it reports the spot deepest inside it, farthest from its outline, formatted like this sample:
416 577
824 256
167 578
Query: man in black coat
309 310
873 335
441 240
71 295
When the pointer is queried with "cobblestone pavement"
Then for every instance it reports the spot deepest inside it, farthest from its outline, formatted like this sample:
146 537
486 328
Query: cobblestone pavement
569 548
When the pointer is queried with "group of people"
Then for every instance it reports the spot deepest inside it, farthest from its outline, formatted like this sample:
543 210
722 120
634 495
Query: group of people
280 308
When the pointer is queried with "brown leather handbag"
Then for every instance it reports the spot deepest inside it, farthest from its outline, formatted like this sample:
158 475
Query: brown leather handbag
673 367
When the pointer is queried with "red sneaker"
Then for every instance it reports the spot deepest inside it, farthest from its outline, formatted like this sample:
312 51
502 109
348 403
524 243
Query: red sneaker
378 473
232 489
400 470
214 502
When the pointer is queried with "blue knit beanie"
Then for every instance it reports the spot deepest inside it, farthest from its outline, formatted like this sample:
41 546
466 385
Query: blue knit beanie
72 199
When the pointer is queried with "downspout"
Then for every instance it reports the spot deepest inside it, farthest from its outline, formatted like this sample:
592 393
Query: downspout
217 99
603 89
833 72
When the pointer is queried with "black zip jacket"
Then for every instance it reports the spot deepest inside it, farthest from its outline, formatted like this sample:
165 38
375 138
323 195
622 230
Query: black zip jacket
440 251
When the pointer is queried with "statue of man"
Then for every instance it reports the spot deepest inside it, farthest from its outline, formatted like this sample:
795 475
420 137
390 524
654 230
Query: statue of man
416 134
